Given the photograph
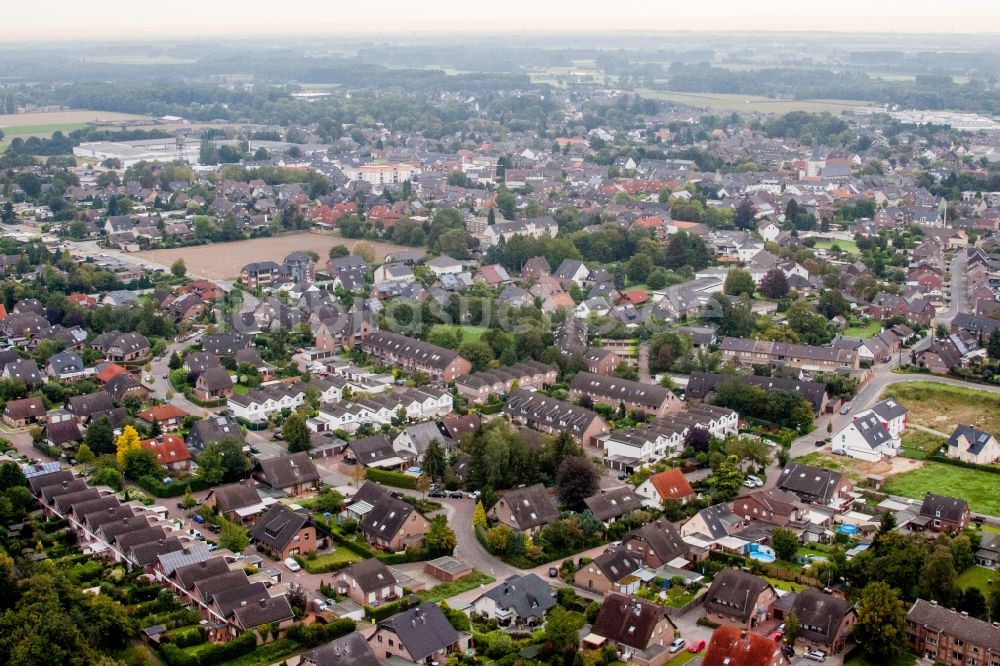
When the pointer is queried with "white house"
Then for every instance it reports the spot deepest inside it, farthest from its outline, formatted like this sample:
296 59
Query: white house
768 230
866 438
444 265
972 445
892 415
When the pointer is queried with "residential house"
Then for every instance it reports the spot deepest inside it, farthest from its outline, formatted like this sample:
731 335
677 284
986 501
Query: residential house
731 647
554 416
480 386
814 484
239 502
945 636
655 544
214 430
771 506
972 445
639 630
168 415
369 583
170 451
942 514
527 509
393 525
610 505
293 474
866 437
349 650
702 385
259 274
415 355
24 412
779 354
826 621
715 522
121 346
517 600
650 399
67 366
420 635
214 384
669 484
612 571
739 599
284 533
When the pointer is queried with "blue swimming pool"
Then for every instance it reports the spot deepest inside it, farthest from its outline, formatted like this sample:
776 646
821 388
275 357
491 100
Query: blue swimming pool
761 553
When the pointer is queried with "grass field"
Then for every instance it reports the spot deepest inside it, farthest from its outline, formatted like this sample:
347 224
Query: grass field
918 444
44 124
751 103
829 461
943 407
976 576
848 246
977 488
463 584
681 658
469 333
905 659
864 331
321 562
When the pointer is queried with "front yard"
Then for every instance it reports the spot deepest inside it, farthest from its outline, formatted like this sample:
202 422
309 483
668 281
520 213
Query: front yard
463 584
977 488
329 561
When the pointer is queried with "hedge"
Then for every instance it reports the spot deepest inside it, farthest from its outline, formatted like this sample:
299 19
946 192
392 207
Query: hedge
397 479
189 394
317 634
157 488
212 653
945 460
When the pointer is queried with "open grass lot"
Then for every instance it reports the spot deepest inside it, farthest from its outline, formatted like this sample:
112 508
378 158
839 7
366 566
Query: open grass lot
848 246
826 460
943 407
463 584
976 576
469 333
751 103
977 488
322 562
222 261
864 331
918 444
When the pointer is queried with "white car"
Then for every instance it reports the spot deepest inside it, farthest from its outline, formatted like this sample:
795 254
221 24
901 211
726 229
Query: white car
815 655
292 564
756 480
677 645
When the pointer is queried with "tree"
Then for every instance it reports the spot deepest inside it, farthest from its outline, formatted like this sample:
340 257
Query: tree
561 629
100 436
785 544
11 476
479 515
233 537
188 501
973 602
938 579
434 463
478 353
639 267
365 250
178 269
454 243
84 455
993 344
338 251
881 625
296 433
576 479
774 284
506 203
727 479
739 282
175 362
744 217
329 501
126 443
110 477
440 538
887 523
792 625
698 439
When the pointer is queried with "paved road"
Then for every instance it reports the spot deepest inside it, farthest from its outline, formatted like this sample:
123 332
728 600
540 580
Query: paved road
959 284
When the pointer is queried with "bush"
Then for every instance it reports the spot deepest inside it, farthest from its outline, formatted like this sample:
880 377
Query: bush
397 479
157 488
210 654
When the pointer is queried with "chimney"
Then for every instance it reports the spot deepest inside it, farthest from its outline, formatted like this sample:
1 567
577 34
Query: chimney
263 602
243 603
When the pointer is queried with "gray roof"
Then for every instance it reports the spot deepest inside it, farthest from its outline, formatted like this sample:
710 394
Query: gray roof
528 596
976 438
663 539
889 409
734 593
265 610
946 508
820 615
170 562
614 503
287 471
615 390
235 496
278 527
718 518
531 506
370 574
815 484
422 630
349 650
938 618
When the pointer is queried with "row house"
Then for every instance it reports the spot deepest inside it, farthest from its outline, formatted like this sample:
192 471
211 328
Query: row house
415 356
945 636
650 399
769 353
258 405
554 416
480 386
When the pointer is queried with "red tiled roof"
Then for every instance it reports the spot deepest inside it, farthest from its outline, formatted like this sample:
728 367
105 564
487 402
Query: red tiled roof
162 413
729 648
109 372
168 449
671 484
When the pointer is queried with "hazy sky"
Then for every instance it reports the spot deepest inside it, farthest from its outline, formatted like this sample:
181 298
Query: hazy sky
83 19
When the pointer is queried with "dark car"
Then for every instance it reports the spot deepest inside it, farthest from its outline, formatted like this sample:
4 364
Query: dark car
436 493
455 494
213 528
553 572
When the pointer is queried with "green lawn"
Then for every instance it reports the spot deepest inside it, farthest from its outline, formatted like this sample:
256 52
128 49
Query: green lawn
864 331
976 576
977 488
829 461
320 564
41 131
919 444
942 407
463 584
681 658
785 585
241 389
469 333
905 659
848 246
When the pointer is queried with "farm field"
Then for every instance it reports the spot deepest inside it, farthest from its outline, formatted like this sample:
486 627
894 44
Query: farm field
750 103
222 261
43 125
975 487
942 407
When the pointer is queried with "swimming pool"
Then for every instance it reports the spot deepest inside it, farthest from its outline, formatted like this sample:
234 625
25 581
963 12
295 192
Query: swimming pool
761 553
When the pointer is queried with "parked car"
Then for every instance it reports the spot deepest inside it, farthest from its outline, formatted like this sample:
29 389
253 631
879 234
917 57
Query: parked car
756 480
213 528
622 476
777 636
820 442
292 564
198 519
815 655
436 493
677 645
456 494
846 409
474 494
697 646
195 534
553 572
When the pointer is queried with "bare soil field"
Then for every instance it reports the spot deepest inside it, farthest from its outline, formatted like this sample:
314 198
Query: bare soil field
222 261
63 118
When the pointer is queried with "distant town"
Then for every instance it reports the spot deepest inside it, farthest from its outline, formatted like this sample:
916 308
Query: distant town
543 367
